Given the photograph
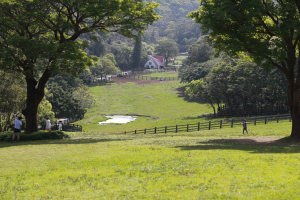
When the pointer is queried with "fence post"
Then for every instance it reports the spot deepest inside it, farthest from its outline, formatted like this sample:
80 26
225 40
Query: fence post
155 130
290 119
209 125
187 128
266 120
231 123
166 129
134 131
277 119
255 121
145 131
220 123
176 129
198 126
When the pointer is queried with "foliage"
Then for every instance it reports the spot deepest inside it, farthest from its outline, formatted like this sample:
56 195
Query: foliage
40 135
199 52
123 57
12 98
104 66
167 48
44 111
267 31
40 38
68 97
136 55
182 31
241 86
199 61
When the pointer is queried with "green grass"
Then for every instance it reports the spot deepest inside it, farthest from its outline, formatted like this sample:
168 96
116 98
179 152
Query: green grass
215 164
157 105
163 74
179 59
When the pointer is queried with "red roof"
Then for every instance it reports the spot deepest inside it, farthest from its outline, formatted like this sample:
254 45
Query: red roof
159 59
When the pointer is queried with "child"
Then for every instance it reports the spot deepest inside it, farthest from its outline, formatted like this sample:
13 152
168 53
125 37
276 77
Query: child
60 126
245 126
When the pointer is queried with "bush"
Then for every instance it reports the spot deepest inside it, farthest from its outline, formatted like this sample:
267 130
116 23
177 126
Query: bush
40 135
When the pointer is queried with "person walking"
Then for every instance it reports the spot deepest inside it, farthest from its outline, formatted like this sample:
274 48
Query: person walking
17 129
245 126
48 124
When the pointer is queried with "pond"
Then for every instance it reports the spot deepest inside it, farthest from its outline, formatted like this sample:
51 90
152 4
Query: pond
118 119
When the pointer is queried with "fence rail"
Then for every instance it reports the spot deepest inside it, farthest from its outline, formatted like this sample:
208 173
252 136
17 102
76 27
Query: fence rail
211 125
152 78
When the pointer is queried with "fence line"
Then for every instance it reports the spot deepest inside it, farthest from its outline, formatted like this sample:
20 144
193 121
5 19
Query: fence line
152 78
211 125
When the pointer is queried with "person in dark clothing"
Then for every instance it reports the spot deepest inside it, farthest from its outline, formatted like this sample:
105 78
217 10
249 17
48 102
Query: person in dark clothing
245 126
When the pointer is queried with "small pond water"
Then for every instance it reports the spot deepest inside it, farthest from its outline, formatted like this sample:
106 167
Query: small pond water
119 119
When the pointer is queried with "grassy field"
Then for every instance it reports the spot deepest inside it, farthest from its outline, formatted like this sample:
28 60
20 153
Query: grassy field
163 74
102 164
157 105
216 164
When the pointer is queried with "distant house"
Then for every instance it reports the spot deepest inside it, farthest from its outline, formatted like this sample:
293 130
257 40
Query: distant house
155 62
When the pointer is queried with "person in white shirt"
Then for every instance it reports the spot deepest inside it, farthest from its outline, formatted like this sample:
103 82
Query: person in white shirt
17 129
48 124
59 126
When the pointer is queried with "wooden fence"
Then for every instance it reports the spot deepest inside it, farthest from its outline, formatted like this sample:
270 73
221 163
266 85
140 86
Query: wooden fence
153 78
212 125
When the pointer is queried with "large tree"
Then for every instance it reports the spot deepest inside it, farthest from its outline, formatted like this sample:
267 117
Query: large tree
167 48
268 31
39 38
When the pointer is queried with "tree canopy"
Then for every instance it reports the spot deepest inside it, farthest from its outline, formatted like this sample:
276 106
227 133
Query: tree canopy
266 31
39 38
167 48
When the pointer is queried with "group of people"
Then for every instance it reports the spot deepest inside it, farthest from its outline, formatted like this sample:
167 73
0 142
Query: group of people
18 126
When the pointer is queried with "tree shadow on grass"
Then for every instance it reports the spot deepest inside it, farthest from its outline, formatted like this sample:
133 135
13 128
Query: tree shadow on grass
57 141
256 145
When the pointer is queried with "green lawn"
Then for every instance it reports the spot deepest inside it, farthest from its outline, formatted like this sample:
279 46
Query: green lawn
215 164
157 105
163 74
100 163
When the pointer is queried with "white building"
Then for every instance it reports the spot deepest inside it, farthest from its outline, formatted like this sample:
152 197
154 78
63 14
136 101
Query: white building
155 62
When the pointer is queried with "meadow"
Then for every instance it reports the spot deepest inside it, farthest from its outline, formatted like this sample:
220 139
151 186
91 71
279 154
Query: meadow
101 163
156 104
215 164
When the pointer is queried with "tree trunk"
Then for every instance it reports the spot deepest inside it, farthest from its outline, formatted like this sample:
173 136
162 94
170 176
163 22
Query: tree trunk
34 97
293 96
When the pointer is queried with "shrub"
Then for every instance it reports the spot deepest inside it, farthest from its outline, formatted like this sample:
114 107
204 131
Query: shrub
40 135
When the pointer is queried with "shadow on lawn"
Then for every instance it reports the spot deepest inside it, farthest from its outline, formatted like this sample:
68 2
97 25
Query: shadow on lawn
57 141
283 145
